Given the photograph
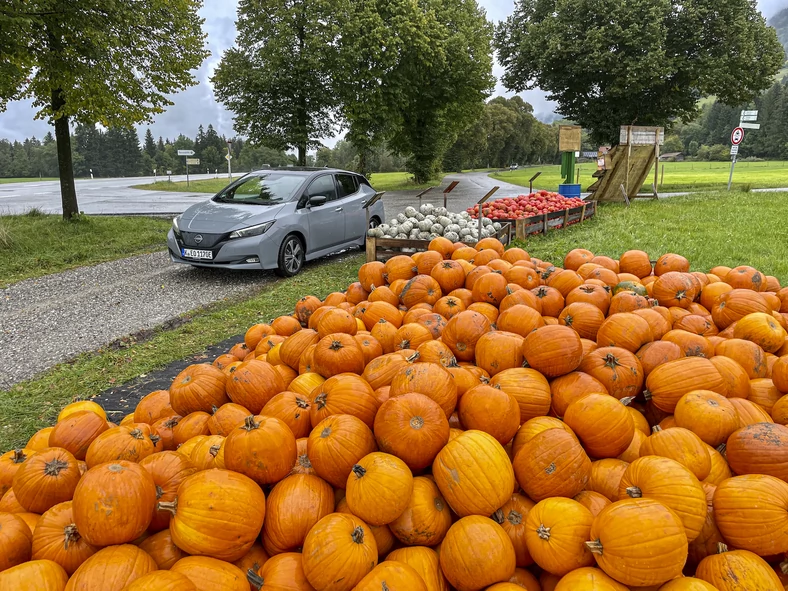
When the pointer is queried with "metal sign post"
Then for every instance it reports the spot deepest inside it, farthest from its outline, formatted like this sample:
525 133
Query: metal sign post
737 135
448 190
480 202
424 192
531 182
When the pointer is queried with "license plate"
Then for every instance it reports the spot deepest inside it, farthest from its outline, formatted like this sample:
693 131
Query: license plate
190 253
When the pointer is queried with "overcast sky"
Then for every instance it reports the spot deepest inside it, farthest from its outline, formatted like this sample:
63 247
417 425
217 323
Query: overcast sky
196 105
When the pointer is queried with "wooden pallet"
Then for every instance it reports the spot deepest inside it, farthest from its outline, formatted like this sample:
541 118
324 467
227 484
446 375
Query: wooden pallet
382 249
541 224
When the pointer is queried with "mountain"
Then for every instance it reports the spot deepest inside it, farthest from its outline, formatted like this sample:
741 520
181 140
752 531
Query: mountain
780 22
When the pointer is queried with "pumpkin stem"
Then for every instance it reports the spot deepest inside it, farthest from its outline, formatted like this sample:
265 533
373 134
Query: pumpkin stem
647 395
214 408
159 492
359 471
438 503
544 532
54 467
627 400
171 506
336 345
301 403
784 567
137 434
154 439
634 492
214 450
405 344
721 548
250 424
656 429
723 448
416 423
304 461
498 516
70 535
320 401
325 433
595 547
254 579
516 518
358 535
413 357
19 456
172 423
611 361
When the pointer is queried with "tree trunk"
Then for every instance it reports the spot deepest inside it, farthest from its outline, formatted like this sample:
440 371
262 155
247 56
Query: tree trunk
302 155
362 162
68 192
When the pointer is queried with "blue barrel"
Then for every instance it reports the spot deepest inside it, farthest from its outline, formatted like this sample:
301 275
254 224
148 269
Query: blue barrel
569 190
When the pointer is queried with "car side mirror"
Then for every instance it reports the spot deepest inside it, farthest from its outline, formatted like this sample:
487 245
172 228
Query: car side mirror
317 200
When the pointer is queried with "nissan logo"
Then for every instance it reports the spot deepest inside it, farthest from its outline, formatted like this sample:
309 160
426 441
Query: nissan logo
198 238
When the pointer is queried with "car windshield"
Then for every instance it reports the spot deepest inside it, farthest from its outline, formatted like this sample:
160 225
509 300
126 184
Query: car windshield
263 189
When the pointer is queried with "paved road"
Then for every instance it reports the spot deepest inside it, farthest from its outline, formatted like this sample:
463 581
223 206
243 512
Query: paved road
108 196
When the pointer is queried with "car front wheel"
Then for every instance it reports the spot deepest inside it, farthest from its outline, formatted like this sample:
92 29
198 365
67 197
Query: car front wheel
291 257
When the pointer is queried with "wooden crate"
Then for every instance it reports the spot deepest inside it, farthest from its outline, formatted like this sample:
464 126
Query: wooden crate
541 224
382 249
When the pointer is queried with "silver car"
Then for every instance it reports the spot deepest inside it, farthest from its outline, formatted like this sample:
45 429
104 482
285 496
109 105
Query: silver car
276 219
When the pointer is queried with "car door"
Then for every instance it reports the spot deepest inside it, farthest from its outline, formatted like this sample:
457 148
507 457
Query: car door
352 201
326 225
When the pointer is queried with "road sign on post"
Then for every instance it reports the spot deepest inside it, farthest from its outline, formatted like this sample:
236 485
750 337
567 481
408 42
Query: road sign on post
192 161
737 135
734 150
185 152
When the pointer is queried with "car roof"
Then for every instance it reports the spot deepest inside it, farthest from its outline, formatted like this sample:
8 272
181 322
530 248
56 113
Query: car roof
300 170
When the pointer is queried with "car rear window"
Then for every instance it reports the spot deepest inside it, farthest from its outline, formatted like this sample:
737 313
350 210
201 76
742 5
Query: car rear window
348 184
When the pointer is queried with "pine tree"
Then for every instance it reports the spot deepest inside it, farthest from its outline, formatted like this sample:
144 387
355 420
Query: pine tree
150 146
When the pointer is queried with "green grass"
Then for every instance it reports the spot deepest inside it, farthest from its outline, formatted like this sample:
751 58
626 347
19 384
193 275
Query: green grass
678 176
35 244
34 404
27 180
399 181
212 186
715 228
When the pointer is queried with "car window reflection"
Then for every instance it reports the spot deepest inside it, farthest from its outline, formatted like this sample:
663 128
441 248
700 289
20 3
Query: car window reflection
266 189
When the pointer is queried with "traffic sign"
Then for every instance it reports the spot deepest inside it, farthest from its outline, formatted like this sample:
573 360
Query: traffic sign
749 113
749 118
191 161
185 152
228 157
750 125
737 136
734 150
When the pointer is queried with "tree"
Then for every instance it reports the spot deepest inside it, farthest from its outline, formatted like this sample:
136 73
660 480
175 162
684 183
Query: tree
90 63
150 145
608 63
278 78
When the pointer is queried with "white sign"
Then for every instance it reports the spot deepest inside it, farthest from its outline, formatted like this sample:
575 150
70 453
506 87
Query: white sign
169 172
737 136
185 152
734 150
749 118
228 157
749 113
750 125
191 161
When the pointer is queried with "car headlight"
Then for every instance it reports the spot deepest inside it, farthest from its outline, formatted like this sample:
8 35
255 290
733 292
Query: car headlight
175 229
252 230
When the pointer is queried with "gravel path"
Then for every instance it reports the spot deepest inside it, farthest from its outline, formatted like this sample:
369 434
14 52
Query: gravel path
51 319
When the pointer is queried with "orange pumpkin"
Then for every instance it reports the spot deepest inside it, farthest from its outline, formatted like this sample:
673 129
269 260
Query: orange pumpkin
475 553
263 448
491 410
162 549
198 387
111 569
217 513
759 449
586 578
709 415
343 394
602 423
16 540
412 427
552 464
625 330
57 538
663 549
592 501
431 380
426 517
681 445
209 573
556 531
726 569
11 461
226 418
553 350
425 562
734 305
474 474
339 551
336 444
667 481
736 380
747 354
606 476
378 488
76 432
393 575
670 381
36 575
253 383
47 478
617 369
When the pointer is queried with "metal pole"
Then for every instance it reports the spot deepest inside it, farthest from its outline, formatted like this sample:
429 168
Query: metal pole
730 178
187 174
229 163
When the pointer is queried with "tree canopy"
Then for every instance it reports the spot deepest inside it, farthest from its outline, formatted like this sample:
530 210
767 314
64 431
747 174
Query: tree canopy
641 62
97 62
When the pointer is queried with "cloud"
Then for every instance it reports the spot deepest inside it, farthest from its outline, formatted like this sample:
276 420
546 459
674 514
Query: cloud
197 105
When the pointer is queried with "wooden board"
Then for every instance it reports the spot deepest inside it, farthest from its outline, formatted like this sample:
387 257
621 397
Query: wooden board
382 249
630 166
569 138
541 224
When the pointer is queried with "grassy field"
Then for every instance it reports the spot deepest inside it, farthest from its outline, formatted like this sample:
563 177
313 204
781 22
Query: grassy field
715 228
678 176
212 186
33 404
26 180
399 181
35 244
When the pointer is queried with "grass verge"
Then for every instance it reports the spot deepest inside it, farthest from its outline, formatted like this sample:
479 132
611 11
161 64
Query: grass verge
212 186
715 228
400 181
27 180
36 244
678 176
33 404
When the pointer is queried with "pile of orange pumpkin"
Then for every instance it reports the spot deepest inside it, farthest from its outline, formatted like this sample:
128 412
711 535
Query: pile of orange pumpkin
462 418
